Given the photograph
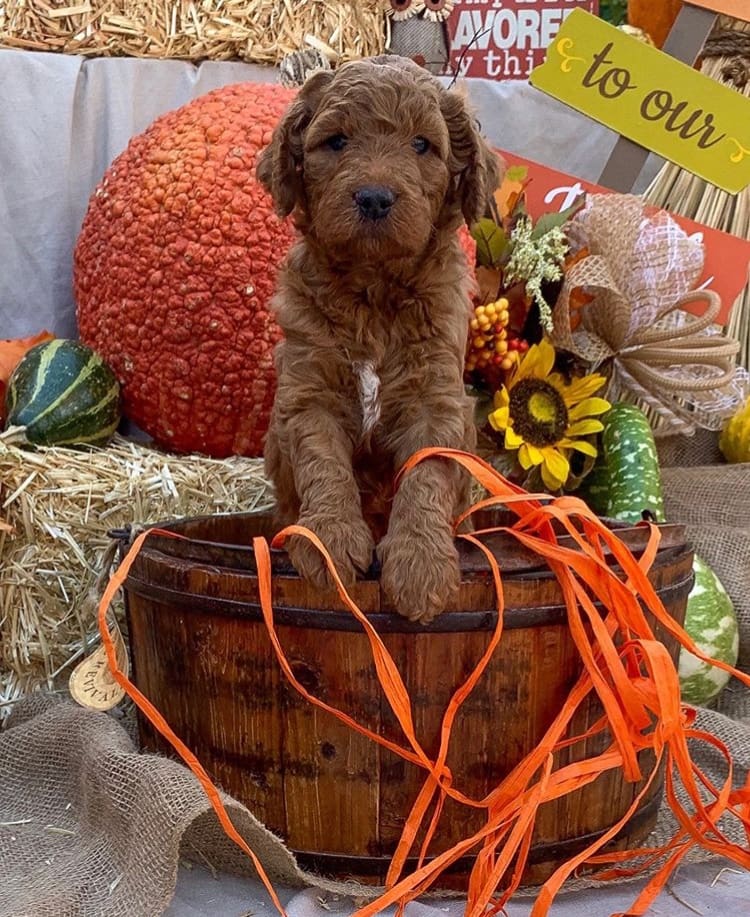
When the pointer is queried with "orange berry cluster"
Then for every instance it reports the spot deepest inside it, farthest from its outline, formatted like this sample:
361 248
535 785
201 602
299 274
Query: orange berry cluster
492 344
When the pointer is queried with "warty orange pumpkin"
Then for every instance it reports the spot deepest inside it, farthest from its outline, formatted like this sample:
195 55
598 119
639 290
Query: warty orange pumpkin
174 269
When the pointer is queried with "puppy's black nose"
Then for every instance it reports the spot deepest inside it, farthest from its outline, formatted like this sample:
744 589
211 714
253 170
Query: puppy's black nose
374 201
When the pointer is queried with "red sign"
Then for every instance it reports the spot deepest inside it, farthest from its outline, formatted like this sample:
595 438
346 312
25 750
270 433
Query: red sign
727 256
506 39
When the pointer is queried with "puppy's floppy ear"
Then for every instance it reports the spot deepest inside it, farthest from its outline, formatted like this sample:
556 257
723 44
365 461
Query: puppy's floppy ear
279 167
476 168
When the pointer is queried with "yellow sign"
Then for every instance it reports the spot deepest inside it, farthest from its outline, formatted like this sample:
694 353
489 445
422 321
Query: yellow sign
651 98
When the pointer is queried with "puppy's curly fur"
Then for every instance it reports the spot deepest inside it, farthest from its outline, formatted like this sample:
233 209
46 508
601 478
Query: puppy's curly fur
375 303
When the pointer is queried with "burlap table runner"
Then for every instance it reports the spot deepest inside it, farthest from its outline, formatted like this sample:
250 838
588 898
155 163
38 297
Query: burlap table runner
89 827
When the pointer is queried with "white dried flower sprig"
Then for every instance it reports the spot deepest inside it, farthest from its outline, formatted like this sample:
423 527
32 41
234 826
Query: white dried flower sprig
536 260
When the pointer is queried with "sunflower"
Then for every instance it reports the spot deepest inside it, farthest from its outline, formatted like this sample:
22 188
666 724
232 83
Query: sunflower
544 417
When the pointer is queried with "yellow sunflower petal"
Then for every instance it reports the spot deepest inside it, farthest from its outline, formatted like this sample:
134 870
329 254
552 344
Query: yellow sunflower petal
499 419
584 428
512 439
529 456
580 445
555 468
502 398
582 388
527 366
537 363
590 407
550 482
546 359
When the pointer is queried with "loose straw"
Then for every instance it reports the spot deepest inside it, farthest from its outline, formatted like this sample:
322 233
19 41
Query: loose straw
57 506
258 31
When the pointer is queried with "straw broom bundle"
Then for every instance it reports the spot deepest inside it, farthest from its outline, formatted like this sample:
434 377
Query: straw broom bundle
726 58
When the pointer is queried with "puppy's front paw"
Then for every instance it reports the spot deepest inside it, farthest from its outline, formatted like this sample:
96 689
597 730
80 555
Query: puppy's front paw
420 573
350 545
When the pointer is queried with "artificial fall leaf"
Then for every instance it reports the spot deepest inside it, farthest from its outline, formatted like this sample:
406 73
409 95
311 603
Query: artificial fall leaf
510 190
488 281
577 300
549 221
11 352
518 305
517 173
579 256
578 296
491 240
513 201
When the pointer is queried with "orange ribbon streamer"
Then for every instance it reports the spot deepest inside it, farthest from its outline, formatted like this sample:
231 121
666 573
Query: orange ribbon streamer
630 671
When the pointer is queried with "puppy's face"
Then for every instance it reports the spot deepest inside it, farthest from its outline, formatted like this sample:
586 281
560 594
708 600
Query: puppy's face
375 167
374 158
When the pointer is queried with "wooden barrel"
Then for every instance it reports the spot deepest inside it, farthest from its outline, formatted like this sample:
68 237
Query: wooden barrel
201 653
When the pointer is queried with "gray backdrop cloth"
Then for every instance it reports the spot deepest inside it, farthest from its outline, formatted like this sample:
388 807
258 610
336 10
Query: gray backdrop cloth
64 119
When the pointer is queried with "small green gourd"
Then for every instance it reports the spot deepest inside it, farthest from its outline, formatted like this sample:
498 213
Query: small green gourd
62 394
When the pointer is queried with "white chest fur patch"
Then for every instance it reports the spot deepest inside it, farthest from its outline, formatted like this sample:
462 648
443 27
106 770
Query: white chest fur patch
368 382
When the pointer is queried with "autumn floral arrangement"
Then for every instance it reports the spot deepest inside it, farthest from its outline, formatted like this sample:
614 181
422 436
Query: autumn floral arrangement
577 311
537 414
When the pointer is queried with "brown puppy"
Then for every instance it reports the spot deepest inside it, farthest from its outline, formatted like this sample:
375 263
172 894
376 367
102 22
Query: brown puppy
379 165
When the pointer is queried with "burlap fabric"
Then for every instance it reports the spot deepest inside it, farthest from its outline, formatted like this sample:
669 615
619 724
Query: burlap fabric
89 827
689 451
641 269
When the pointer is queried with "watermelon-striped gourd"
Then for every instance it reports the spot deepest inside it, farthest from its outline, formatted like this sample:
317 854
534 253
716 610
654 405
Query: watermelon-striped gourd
62 393
626 481
632 465
712 623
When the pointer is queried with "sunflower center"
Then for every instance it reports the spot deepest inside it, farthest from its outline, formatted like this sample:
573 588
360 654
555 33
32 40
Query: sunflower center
538 411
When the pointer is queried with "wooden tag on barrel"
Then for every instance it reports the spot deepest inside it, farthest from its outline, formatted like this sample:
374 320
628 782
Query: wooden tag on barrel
91 683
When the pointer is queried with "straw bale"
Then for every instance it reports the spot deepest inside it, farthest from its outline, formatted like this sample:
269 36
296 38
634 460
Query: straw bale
61 503
258 31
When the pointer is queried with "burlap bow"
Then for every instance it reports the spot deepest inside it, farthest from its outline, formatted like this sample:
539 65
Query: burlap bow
640 271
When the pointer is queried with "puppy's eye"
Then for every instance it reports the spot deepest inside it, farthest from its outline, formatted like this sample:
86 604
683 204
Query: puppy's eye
337 142
421 145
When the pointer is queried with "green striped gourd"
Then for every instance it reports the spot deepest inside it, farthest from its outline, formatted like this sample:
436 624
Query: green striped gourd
712 622
626 481
62 394
632 465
